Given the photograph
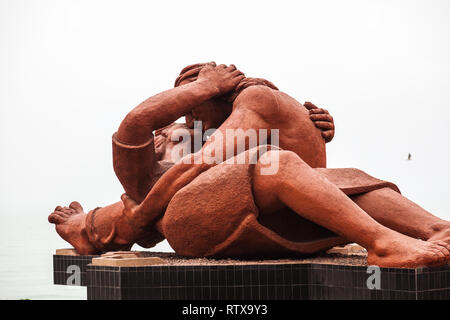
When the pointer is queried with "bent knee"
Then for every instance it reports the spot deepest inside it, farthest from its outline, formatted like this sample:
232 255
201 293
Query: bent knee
275 162
284 157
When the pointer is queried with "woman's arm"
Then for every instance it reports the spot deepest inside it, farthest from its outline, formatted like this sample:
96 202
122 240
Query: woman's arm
322 120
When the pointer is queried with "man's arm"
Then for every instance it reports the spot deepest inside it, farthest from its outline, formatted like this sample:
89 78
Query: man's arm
166 107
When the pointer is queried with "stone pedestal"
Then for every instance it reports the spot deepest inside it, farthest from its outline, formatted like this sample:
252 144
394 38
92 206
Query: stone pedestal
340 274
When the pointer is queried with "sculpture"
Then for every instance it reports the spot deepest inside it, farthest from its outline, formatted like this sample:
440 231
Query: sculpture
230 209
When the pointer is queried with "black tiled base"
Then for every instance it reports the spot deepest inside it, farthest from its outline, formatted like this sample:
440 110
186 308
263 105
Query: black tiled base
264 282
291 281
62 271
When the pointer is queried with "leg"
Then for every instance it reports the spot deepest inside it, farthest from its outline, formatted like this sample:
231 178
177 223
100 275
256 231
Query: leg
309 194
396 212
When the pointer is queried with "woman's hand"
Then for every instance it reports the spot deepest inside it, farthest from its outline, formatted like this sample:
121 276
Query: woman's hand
322 120
221 77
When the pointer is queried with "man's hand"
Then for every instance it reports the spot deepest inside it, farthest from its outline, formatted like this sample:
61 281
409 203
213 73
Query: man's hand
322 120
224 78
132 211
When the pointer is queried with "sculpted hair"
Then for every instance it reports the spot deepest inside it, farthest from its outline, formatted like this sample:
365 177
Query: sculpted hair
191 73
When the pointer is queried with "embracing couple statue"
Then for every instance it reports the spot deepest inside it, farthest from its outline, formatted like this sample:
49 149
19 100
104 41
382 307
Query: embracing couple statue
232 207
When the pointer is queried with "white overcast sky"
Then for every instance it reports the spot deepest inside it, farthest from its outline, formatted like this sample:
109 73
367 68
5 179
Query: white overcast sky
71 70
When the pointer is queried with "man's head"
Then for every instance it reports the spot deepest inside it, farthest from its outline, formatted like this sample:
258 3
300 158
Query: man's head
214 112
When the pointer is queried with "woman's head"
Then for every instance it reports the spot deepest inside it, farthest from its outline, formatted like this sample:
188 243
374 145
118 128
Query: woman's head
168 137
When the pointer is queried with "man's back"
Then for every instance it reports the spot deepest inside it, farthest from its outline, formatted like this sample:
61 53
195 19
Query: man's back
278 110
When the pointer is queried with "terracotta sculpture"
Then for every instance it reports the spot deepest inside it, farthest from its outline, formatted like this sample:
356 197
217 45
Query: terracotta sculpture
230 209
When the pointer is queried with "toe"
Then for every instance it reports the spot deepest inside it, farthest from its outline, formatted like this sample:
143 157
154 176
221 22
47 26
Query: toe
67 210
76 206
56 218
440 256
443 247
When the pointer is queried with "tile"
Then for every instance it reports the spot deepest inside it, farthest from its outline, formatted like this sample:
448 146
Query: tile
230 277
271 292
263 294
214 278
222 276
238 276
189 277
271 276
279 292
288 294
247 293
222 293
230 293
247 276
198 293
239 293
182 293
206 293
254 276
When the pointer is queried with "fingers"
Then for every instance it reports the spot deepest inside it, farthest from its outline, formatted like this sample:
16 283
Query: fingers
128 202
322 120
76 206
324 125
238 75
231 67
318 110
209 65
321 117
234 71
308 105
328 135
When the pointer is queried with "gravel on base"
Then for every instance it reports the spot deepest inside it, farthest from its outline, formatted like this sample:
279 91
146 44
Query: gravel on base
321 258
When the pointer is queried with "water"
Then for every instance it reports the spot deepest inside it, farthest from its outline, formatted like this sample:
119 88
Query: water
27 245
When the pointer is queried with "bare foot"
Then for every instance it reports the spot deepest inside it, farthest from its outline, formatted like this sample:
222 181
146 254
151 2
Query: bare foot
404 252
71 226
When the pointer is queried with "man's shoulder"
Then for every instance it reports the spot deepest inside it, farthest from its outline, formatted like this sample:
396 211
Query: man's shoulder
257 91
258 98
